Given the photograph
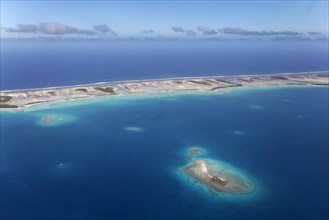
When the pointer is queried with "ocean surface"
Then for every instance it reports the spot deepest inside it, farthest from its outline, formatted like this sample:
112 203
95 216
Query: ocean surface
119 158
33 64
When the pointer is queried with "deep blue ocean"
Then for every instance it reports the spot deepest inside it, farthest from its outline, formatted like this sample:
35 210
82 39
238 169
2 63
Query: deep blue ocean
33 64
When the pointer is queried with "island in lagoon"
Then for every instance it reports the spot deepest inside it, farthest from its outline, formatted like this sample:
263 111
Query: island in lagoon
216 176
14 99
48 119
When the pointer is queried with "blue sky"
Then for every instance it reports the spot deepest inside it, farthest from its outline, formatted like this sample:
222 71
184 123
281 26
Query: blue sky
242 19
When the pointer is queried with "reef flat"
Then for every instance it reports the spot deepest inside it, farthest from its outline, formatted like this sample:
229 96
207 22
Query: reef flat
48 119
54 119
25 98
216 175
134 129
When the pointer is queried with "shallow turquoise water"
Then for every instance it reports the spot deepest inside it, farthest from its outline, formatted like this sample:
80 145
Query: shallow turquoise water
90 166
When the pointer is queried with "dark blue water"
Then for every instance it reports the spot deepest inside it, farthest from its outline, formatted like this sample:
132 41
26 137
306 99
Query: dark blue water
92 168
33 64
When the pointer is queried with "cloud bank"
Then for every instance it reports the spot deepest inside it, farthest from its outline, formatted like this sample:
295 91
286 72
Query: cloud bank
53 28
241 31
191 33
24 28
59 31
178 29
312 33
56 28
206 30
150 31
103 28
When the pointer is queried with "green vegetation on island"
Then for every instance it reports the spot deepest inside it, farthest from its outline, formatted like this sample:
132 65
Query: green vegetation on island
279 77
5 98
201 82
3 105
52 93
105 89
81 90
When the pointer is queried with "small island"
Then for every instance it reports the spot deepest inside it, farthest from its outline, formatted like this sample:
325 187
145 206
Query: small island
216 176
54 119
48 119
25 98
194 151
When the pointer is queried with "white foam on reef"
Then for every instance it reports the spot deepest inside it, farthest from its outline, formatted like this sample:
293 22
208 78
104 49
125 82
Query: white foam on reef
54 119
134 129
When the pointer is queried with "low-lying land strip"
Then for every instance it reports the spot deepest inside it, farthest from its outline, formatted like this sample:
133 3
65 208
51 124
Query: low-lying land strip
24 98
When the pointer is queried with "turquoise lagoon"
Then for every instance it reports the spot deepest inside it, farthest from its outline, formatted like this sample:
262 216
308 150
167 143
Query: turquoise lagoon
119 157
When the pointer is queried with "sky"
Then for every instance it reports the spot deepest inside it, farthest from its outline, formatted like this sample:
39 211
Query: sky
165 19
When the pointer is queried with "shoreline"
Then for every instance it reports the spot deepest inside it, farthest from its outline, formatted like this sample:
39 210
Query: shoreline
163 79
26 98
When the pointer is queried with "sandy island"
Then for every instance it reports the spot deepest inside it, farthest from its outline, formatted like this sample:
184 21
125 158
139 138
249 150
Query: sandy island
217 176
16 99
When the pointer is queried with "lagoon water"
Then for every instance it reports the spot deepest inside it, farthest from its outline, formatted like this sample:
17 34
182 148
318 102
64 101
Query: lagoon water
92 167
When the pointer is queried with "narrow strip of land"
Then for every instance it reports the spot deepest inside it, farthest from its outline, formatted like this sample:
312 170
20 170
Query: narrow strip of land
25 98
